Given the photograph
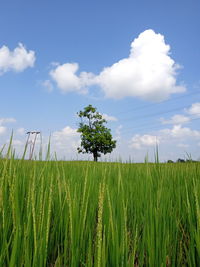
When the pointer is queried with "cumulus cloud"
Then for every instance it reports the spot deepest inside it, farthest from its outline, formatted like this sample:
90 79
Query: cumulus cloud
21 131
108 117
68 80
177 135
118 133
17 142
177 131
183 145
67 139
7 120
139 141
2 130
17 60
48 85
148 72
65 132
194 109
191 113
176 119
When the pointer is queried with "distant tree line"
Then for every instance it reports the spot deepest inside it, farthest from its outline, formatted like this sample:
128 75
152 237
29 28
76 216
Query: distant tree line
181 161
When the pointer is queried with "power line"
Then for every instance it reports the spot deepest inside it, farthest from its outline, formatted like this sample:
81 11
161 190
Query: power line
156 113
130 129
158 103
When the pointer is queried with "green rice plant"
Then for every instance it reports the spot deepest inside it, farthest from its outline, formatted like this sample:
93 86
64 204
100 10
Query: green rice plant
56 213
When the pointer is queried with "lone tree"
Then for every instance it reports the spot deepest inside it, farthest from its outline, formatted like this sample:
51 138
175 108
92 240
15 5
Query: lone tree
95 137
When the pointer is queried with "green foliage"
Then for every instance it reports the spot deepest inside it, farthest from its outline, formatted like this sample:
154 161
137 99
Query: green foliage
95 137
108 214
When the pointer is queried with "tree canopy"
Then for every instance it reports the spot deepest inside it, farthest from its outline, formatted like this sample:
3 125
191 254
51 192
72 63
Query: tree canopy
95 137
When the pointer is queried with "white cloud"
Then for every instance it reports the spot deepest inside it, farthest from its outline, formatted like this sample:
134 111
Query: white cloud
21 131
194 109
148 72
55 64
67 79
17 60
17 142
139 141
118 133
180 132
65 132
109 118
48 85
67 139
2 130
7 120
182 145
177 132
176 119
172 143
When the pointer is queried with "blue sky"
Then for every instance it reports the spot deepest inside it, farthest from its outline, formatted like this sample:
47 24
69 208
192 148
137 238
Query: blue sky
58 56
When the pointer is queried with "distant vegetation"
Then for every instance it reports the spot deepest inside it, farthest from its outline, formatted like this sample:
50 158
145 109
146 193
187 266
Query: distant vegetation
182 160
99 214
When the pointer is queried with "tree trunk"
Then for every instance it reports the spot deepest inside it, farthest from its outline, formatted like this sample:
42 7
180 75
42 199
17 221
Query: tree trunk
95 155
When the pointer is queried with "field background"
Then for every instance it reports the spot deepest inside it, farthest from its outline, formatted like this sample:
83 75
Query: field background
55 213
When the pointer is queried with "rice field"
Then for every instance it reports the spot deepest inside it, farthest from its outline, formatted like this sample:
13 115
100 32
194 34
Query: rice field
55 213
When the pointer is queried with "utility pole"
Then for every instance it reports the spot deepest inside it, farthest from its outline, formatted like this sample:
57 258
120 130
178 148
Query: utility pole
32 142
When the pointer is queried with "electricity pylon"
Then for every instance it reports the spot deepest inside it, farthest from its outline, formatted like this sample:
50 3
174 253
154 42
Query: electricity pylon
31 143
